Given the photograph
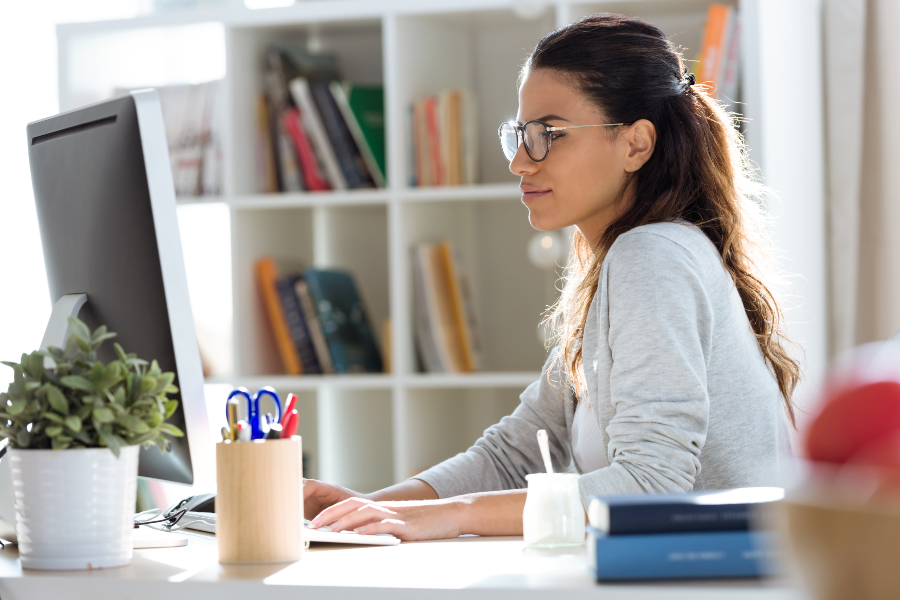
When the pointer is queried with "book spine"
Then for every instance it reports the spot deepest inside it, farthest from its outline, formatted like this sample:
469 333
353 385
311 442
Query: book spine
681 555
713 39
457 308
265 161
266 277
311 175
331 119
343 104
431 358
434 140
312 121
674 517
297 325
323 355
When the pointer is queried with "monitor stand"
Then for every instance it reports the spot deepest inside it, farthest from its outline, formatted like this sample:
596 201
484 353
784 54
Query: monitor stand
58 326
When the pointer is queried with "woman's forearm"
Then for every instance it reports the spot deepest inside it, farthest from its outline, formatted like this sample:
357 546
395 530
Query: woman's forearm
491 513
411 489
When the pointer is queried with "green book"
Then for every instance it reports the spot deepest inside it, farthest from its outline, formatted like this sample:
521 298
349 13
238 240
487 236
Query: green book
362 107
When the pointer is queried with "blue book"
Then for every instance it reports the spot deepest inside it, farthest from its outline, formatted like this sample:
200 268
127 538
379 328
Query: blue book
710 554
348 335
720 510
297 325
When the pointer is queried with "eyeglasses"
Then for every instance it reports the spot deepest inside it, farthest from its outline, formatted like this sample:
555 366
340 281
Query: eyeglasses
537 136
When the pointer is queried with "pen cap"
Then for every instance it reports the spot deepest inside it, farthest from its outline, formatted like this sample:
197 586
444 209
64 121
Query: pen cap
259 503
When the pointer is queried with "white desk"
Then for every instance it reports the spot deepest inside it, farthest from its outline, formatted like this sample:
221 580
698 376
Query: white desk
471 568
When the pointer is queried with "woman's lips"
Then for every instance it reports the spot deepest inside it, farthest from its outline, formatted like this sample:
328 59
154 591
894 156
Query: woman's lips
531 193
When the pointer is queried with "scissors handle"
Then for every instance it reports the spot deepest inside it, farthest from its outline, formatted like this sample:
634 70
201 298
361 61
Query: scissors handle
253 416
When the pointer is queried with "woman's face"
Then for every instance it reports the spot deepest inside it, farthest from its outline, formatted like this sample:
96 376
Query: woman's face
580 180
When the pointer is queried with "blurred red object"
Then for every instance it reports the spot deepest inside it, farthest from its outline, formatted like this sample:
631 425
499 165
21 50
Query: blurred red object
854 421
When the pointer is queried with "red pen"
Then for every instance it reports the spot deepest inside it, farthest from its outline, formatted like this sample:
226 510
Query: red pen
289 405
290 426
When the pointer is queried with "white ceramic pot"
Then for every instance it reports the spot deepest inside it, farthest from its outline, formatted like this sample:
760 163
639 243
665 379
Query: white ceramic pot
74 508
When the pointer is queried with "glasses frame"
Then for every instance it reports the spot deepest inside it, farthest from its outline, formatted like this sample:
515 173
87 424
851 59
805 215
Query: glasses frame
520 134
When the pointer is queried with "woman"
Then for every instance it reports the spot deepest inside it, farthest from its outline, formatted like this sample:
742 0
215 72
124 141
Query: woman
671 372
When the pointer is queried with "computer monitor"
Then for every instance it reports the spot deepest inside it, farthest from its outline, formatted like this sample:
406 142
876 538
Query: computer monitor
105 203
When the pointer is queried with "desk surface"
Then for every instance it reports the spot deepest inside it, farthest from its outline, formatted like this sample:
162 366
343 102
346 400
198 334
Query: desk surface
470 567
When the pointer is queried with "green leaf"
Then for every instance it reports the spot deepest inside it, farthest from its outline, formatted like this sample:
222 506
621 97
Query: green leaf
97 372
119 395
83 411
171 389
120 352
61 442
104 415
112 441
170 429
79 329
30 386
91 399
54 417
23 438
77 382
164 381
135 362
53 430
17 406
147 384
56 399
154 370
99 332
133 423
83 345
34 366
171 406
73 423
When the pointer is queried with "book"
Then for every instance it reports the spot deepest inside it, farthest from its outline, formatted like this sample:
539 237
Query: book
363 110
345 326
348 156
266 278
312 122
267 178
731 510
715 43
309 165
290 178
429 356
443 147
323 355
711 554
729 87
454 291
297 323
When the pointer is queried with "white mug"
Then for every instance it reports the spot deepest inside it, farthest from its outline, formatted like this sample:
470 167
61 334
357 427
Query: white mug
553 515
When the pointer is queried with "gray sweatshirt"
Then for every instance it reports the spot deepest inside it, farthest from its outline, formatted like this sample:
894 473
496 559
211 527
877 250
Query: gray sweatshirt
678 384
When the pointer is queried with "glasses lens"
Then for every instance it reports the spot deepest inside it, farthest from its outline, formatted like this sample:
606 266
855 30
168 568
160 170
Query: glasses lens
537 140
509 140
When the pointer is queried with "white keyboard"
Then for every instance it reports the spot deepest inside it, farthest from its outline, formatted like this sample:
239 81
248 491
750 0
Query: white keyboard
310 535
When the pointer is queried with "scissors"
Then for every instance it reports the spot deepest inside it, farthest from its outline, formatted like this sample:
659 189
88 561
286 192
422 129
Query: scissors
253 416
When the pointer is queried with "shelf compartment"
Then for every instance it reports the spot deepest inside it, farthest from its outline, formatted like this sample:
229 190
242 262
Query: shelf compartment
357 43
509 294
479 50
519 380
444 422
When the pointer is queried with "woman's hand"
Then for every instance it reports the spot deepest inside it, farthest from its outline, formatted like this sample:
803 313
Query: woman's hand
319 495
407 520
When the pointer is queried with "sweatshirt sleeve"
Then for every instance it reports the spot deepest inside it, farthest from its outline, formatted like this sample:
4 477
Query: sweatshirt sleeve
660 338
508 451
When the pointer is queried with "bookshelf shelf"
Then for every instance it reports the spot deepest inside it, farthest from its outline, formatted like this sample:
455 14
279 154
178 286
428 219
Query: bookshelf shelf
309 199
367 431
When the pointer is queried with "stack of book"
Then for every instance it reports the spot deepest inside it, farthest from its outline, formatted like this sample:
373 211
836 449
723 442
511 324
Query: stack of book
446 327
678 536
315 132
717 64
192 115
443 144
318 320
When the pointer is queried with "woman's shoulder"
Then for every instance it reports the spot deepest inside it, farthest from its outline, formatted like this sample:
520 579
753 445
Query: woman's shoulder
674 241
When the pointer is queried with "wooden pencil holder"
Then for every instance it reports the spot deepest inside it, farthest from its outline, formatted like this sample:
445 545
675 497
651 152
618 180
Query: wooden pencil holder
259 502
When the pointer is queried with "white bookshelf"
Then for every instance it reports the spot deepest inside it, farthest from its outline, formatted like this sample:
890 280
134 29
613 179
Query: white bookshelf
367 431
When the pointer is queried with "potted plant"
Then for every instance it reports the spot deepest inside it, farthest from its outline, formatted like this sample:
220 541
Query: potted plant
74 426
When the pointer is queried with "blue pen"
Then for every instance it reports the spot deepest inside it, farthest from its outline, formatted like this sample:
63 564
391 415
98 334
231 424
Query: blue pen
253 416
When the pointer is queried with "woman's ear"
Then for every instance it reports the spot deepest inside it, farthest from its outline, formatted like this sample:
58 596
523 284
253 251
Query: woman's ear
641 140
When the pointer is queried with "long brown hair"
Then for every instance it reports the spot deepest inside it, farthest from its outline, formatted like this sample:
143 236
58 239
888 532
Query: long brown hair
699 172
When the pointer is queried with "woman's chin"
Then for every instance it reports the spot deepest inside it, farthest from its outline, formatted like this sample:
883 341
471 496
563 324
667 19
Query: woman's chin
544 222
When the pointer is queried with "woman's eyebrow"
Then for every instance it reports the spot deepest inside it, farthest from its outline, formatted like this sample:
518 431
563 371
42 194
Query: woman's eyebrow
547 118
